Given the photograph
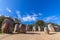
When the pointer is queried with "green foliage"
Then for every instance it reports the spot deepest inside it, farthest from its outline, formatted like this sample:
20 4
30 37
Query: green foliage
0 31
40 23
17 21
1 20
9 18
31 26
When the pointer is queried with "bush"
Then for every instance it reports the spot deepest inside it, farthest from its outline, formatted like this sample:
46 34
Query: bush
0 31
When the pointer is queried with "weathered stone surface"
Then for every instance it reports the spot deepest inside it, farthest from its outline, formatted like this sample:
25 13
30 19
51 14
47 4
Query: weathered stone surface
26 27
39 29
51 27
7 26
46 30
34 28
16 28
56 28
22 28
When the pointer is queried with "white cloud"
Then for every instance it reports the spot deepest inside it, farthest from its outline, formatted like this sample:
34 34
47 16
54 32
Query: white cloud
34 14
51 18
29 18
8 9
6 16
40 14
18 14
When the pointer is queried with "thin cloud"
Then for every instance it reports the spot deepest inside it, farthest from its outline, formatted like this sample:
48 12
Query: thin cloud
29 18
8 9
7 16
34 14
37 14
51 18
18 14
40 14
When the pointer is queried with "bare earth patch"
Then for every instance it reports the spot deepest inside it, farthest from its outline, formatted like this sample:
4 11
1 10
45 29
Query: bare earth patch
31 36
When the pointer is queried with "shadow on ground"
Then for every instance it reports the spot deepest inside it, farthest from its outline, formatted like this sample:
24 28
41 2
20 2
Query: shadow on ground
32 33
26 33
52 33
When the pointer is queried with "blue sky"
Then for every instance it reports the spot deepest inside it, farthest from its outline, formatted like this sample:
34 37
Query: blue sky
29 11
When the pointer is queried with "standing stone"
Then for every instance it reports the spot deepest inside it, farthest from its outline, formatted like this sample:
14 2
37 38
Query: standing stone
39 28
22 28
34 29
46 30
16 28
7 26
56 28
27 28
19 28
51 28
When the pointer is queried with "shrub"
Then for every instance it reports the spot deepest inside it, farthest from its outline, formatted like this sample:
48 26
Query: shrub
0 31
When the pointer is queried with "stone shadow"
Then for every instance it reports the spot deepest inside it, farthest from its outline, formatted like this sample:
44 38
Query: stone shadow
26 33
52 33
33 33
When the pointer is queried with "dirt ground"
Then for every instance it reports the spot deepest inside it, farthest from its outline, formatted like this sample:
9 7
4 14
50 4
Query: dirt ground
31 36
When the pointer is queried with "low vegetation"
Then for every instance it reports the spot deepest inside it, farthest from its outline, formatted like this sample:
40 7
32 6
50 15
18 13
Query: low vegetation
0 31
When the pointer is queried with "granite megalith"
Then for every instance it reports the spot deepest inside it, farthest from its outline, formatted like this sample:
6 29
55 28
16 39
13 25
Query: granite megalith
51 28
22 28
46 30
7 26
16 27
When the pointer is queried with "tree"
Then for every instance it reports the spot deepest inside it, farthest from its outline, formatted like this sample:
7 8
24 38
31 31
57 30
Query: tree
1 20
31 26
40 23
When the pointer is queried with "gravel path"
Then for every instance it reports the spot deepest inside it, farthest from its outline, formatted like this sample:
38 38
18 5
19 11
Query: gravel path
31 36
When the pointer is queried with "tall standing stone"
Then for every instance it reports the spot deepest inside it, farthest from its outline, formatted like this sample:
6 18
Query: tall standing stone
27 28
46 30
56 28
51 28
19 28
16 28
34 28
22 28
7 26
39 29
